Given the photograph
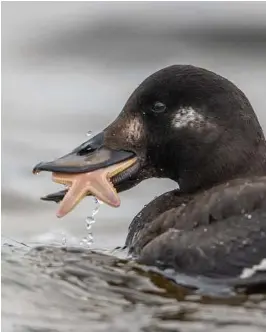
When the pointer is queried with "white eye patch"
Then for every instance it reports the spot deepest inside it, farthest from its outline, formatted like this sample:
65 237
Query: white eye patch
188 117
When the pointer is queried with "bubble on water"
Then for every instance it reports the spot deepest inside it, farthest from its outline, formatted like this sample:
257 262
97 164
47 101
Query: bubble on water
89 133
88 239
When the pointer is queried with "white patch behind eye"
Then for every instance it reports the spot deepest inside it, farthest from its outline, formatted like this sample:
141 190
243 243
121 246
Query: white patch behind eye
188 117
134 129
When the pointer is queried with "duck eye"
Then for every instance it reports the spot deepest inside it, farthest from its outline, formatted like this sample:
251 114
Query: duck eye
158 107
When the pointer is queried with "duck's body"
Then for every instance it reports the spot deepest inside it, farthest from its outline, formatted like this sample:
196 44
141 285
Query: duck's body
199 129
217 233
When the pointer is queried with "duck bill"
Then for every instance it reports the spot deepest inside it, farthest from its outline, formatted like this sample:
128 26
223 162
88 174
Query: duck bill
87 170
88 157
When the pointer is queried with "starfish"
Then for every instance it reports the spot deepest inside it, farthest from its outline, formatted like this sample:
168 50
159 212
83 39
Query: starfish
97 183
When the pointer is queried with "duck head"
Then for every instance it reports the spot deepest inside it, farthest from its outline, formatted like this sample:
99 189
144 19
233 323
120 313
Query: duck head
182 122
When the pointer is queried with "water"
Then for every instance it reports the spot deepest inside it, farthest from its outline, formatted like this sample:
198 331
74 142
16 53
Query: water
90 220
64 239
68 67
60 289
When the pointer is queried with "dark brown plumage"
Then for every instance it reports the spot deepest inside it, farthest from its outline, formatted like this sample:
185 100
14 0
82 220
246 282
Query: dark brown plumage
198 129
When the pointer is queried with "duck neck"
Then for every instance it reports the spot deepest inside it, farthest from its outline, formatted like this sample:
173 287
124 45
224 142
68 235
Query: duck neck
216 169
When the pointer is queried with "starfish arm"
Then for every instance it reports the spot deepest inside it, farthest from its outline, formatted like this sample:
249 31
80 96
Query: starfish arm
102 188
76 192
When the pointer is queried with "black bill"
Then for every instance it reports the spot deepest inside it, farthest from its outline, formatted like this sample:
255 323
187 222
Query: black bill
88 157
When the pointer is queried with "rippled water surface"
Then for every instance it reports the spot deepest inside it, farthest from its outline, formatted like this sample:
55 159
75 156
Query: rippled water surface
63 289
68 68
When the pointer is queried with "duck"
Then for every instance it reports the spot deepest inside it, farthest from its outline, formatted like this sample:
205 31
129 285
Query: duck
197 128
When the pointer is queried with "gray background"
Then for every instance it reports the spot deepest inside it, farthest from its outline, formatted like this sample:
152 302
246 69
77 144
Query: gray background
69 67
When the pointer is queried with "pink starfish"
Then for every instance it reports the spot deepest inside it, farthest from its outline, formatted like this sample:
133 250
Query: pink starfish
97 183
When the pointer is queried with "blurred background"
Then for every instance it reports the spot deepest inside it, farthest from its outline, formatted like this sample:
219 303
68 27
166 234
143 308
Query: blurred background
69 67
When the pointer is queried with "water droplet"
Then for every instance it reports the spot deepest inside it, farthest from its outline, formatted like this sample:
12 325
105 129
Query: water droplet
64 240
88 239
89 133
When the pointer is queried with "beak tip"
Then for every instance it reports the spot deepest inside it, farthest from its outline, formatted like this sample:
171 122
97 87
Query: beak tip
39 167
36 169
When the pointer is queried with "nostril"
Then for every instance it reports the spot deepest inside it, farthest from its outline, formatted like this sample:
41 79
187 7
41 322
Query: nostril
90 146
87 149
